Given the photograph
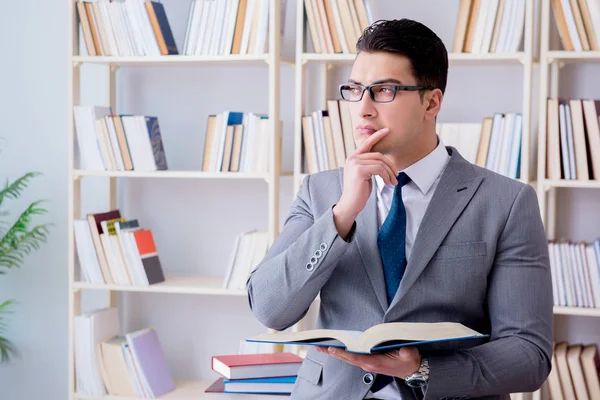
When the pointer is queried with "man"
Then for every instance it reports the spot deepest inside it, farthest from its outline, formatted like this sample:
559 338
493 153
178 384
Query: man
408 230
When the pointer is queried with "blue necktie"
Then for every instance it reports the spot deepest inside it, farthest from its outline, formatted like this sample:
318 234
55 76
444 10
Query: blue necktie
391 240
392 247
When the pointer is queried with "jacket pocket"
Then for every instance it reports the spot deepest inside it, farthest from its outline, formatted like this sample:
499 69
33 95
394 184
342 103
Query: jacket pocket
311 371
461 250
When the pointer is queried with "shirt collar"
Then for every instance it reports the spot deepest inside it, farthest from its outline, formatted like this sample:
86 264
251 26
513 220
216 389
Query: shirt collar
425 171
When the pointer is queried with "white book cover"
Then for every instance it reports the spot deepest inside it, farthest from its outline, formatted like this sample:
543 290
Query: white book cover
114 142
592 265
470 133
86 252
90 155
560 279
202 33
230 31
488 29
587 281
114 47
232 260
566 275
144 137
148 32
247 26
570 143
495 139
134 26
217 28
515 150
187 43
510 26
210 27
553 276
263 28
517 32
480 26
571 26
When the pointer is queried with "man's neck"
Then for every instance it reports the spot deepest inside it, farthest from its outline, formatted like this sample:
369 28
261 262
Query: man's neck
415 153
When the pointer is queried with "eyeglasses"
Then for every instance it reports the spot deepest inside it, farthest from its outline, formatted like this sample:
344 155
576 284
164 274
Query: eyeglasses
380 93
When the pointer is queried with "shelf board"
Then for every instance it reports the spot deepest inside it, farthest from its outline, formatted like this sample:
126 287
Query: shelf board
573 56
170 174
232 59
582 311
180 284
188 390
453 58
593 184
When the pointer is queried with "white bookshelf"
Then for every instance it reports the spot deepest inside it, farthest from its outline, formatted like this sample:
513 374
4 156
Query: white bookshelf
550 64
328 62
174 284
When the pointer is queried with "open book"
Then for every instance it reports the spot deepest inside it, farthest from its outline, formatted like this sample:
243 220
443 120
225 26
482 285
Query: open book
379 338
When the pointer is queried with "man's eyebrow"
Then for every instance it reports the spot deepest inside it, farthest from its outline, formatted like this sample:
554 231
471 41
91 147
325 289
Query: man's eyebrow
386 80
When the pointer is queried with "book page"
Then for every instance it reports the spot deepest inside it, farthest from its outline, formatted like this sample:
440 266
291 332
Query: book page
313 336
411 332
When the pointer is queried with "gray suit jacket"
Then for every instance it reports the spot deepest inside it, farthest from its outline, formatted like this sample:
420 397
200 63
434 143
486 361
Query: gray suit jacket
480 258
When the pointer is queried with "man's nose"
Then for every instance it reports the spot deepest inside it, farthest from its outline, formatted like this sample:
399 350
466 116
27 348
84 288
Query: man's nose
367 106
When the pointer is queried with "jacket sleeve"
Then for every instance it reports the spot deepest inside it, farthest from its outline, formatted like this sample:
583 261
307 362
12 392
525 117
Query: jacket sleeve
518 356
300 261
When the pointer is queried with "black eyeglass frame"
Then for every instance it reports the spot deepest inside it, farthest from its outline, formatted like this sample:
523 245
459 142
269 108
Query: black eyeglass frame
369 88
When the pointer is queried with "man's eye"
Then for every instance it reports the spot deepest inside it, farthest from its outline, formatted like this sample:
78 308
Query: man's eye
355 89
386 90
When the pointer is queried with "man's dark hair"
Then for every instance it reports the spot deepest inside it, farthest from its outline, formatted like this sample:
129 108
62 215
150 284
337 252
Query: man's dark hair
425 50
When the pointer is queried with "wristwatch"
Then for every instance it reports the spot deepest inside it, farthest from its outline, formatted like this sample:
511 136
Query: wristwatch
421 377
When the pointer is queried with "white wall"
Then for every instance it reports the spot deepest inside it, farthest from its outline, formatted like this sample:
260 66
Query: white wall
194 221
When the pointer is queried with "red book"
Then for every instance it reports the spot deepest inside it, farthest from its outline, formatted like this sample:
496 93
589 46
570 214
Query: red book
249 366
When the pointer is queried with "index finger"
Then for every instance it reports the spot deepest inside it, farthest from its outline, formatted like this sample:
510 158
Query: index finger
369 142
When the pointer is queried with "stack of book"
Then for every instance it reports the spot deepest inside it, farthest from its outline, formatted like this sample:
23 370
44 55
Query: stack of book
575 271
221 27
573 139
248 251
336 25
125 28
574 373
489 26
237 142
267 373
114 250
118 142
132 365
578 23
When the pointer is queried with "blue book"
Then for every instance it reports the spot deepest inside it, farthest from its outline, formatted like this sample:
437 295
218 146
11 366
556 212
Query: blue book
279 385
164 36
156 141
427 336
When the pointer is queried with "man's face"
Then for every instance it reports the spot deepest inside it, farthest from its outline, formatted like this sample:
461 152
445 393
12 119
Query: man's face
404 116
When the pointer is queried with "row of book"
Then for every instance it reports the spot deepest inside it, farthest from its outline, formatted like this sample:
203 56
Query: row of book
495 143
327 137
125 28
237 142
221 27
248 251
489 26
107 141
261 373
114 250
575 268
106 362
336 25
573 139
574 373
578 23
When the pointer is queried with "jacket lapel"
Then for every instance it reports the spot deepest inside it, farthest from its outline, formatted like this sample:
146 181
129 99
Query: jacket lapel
366 232
455 189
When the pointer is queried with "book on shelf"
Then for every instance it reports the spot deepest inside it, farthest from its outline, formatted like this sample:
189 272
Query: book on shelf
574 373
575 269
573 139
495 143
427 336
125 28
114 250
107 141
280 385
237 142
223 27
489 26
578 23
335 25
107 362
249 249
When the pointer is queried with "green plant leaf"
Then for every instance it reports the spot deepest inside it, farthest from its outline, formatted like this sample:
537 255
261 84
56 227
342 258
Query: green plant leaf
14 190
7 349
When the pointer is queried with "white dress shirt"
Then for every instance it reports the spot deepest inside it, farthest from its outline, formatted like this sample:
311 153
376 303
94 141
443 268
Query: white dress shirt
425 175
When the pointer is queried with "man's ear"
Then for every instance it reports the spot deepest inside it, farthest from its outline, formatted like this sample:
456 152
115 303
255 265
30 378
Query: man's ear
433 103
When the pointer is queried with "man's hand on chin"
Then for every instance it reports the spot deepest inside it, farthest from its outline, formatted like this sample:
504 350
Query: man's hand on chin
399 363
